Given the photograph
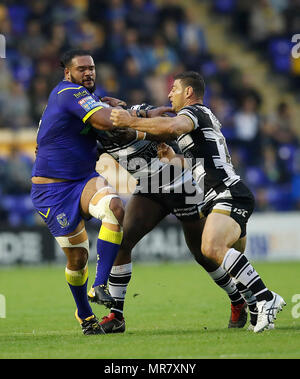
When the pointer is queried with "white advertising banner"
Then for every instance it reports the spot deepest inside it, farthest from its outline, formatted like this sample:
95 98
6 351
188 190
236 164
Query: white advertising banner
274 236
270 237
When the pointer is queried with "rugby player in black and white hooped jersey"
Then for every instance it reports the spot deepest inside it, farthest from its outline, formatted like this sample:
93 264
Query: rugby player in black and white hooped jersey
161 189
228 203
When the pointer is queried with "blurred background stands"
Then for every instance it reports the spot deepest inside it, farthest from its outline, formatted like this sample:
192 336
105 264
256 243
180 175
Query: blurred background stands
138 45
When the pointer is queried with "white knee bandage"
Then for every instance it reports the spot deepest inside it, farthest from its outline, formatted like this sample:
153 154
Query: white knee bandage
102 211
65 241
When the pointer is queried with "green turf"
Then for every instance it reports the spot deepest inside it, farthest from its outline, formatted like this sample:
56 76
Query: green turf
172 311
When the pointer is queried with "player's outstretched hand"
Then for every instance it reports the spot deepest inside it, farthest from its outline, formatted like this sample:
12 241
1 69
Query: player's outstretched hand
165 152
120 117
160 111
113 102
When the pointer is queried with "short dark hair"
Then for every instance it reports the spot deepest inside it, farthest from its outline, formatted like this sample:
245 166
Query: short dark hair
67 57
193 79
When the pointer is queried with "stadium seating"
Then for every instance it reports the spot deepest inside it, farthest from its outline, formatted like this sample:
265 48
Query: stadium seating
138 46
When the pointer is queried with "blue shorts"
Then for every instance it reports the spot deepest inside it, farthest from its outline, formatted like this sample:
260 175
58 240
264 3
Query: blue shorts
59 204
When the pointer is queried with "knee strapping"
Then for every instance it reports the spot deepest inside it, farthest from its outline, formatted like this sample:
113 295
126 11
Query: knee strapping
67 241
102 210
77 278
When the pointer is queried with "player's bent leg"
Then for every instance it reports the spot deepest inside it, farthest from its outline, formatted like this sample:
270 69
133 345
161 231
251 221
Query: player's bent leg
221 232
193 236
100 201
76 248
135 227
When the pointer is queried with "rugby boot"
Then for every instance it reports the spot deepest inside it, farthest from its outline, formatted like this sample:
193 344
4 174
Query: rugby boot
253 320
101 295
267 312
238 316
111 324
89 325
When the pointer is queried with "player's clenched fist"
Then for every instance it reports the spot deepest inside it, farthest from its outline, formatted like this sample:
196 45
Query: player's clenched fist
120 117
165 152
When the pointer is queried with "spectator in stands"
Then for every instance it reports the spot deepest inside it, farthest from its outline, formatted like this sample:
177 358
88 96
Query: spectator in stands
116 42
164 57
38 94
171 33
247 122
278 131
132 85
142 16
262 203
35 41
273 167
140 52
107 81
296 181
224 112
15 106
227 77
191 33
67 13
17 172
97 11
170 9
292 17
265 22
116 9
282 121
246 88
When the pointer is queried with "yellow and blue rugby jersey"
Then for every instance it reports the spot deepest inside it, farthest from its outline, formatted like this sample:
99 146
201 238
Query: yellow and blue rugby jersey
65 148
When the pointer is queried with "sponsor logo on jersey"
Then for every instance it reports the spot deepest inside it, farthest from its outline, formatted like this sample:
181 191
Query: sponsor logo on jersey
88 103
81 93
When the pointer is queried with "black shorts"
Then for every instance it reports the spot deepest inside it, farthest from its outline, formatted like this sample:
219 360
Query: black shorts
238 203
174 203
178 195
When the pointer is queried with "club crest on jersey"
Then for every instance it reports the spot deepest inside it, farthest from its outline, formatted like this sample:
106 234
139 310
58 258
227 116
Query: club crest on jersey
62 220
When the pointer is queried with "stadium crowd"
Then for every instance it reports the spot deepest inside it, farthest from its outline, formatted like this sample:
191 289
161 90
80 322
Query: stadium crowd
268 26
138 46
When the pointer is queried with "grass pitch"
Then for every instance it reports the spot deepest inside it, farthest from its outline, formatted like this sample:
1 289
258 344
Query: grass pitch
173 311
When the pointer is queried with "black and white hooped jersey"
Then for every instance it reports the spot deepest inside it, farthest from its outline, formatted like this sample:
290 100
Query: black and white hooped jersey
207 154
139 158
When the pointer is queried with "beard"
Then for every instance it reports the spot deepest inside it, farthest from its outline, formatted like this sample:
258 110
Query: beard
89 88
